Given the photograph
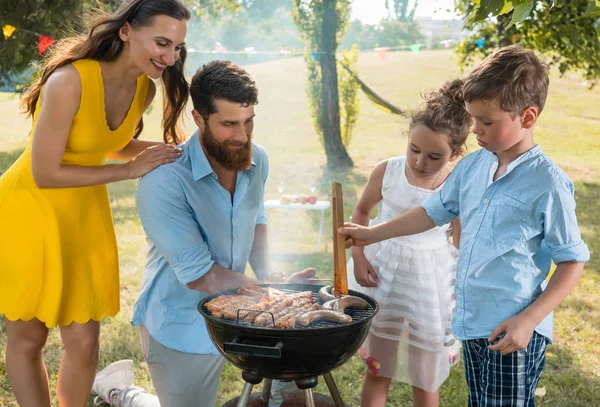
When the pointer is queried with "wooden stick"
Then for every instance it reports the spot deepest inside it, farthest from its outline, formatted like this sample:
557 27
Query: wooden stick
340 277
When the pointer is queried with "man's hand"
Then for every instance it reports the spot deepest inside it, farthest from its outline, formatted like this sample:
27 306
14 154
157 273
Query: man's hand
300 276
518 331
356 235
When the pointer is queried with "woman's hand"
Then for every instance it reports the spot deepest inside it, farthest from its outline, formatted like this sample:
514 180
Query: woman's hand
356 235
151 158
364 272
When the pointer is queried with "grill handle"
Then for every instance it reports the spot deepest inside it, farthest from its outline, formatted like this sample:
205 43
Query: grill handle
236 347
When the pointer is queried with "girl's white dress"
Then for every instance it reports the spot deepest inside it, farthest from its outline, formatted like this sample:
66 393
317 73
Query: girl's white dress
410 338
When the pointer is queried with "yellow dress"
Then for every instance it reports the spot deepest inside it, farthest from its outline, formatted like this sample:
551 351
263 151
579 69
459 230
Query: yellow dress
58 252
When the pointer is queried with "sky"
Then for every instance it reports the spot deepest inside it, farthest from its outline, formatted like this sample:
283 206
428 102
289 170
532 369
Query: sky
372 11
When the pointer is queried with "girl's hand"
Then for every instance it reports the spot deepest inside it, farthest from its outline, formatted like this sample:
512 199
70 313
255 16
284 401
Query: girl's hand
151 158
364 272
356 235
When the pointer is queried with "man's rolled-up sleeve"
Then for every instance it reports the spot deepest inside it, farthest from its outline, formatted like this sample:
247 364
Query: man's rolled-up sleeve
443 206
561 232
170 225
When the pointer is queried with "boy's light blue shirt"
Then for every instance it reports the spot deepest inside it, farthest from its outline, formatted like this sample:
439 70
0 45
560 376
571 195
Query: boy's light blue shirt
511 230
191 223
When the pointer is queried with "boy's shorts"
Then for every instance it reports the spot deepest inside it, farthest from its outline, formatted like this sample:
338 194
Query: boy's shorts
497 380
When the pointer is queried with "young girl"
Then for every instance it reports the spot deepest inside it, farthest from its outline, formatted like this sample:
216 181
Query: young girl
58 256
412 277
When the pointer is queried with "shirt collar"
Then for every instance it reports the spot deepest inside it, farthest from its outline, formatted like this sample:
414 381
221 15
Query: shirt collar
200 165
531 153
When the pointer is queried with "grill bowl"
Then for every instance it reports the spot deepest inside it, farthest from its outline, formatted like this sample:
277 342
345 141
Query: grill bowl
289 354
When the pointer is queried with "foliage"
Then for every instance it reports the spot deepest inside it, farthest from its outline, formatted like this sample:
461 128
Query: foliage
398 9
348 89
566 31
31 18
388 33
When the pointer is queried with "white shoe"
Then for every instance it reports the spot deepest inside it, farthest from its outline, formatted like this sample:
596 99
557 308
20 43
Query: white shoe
116 376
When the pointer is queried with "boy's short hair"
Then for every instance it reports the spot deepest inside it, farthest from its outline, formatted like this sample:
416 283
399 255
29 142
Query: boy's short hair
221 80
513 77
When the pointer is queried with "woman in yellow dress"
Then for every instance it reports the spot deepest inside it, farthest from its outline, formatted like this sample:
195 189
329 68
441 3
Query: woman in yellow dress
58 253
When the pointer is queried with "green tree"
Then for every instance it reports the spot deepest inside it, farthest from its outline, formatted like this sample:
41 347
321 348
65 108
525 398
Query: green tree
565 31
51 18
398 9
322 24
58 19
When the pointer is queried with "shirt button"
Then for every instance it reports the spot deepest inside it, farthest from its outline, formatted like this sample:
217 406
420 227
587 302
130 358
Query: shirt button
485 201
473 236
460 306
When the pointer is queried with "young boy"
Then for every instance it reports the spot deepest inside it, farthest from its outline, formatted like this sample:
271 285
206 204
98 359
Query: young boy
518 213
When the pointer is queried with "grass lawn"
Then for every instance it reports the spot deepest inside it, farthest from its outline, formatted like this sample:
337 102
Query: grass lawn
567 131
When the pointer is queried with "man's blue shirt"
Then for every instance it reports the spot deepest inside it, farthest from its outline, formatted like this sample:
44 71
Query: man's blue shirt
191 223
512 228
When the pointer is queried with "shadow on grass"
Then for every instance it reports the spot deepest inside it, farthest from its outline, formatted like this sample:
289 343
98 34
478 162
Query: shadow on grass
7 158
564 382
587 195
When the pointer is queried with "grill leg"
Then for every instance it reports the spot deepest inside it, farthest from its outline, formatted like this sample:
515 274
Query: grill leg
308 395
266 396
335 393
243 400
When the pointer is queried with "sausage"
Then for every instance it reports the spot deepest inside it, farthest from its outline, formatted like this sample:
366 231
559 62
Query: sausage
323 315
325 294
330 304
350 301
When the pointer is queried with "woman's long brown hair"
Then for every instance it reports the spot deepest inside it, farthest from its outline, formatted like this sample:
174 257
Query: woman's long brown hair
102 43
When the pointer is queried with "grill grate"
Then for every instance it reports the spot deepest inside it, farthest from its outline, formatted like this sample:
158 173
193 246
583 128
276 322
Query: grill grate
356 314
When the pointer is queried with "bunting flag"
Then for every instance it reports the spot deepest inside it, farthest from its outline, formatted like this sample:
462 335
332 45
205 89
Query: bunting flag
515 37
480 43
219 48
8 30
382 52
44 43
249 51
415 48
313 55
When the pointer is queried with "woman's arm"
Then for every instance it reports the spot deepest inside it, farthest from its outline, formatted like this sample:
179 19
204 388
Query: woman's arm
59 105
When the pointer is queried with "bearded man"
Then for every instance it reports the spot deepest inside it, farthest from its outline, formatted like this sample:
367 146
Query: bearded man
204 218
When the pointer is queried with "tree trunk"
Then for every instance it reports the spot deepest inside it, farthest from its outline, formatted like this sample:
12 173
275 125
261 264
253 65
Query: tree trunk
337 156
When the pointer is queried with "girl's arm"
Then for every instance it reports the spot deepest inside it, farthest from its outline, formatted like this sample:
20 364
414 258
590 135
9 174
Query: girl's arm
370 196
363 270
59 105
456 230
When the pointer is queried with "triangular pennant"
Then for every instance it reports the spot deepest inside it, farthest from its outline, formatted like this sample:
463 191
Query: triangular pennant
219 48
415 48
382 52
8 30
44 43
313 56
480 43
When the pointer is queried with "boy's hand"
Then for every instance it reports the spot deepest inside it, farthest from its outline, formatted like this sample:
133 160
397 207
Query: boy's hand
356 235
518 331
365 274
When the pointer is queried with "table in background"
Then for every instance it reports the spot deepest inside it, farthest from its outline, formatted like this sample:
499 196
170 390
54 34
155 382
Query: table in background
317 206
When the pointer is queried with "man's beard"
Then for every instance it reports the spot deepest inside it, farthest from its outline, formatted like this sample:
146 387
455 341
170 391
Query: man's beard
234 159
